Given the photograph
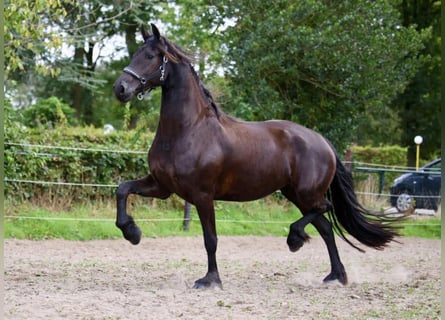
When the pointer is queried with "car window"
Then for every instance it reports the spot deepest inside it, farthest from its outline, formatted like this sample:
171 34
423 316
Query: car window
434 168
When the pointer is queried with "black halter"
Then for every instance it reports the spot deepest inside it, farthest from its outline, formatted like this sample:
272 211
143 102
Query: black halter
143 81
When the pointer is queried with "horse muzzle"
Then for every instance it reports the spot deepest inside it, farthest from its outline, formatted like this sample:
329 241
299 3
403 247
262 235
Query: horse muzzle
123 90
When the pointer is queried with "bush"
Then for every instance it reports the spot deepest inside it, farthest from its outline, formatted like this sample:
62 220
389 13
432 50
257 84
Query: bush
386 155
95 161
48 113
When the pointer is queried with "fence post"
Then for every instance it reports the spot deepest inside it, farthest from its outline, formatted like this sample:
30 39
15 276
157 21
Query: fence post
381 182
348 159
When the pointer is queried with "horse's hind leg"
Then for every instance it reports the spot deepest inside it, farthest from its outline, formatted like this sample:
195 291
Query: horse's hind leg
297 236
146 187
324 227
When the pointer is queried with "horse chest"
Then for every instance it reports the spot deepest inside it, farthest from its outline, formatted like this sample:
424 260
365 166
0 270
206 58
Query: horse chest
168 165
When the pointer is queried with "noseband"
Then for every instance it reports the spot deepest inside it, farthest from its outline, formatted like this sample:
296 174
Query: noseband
152 75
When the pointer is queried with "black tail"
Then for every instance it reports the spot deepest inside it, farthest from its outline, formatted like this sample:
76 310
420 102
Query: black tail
371 229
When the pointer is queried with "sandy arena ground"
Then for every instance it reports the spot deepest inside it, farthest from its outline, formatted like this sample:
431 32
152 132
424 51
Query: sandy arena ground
262 279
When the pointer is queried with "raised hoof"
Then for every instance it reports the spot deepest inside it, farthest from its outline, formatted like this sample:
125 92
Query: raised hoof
341 276
208 282
132 233
295 242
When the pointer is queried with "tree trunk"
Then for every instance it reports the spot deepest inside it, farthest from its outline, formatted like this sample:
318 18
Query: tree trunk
130 39
132 46
87 104
77 88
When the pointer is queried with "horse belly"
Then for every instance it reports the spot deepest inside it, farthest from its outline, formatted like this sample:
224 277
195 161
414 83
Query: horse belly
248 184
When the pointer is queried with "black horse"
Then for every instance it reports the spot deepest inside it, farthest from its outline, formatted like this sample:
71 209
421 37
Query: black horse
202 154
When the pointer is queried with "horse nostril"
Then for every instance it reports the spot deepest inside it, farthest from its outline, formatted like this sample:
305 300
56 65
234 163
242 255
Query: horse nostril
120 89
123 88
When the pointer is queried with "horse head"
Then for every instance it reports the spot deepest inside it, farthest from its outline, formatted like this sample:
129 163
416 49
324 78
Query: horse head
147 69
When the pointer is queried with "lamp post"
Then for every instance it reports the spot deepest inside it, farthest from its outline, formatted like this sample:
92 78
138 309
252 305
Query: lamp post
418 141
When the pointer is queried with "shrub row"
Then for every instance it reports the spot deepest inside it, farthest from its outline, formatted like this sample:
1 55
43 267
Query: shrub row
30 160
387 155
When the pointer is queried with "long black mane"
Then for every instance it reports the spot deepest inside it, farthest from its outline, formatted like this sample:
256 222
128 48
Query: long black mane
177 55
206 92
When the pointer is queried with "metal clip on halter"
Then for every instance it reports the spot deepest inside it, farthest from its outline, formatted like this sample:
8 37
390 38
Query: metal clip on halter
162 68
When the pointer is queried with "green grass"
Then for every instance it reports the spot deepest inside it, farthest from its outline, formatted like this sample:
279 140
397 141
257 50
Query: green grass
423 228
87 222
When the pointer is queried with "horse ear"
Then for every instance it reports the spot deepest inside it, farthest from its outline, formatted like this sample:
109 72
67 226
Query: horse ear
156 32
145 33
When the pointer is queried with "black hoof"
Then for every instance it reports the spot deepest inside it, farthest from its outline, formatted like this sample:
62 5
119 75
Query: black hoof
295 242
208 282
131 232
341 276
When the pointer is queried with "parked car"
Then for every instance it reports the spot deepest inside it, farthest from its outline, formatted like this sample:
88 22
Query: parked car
420 189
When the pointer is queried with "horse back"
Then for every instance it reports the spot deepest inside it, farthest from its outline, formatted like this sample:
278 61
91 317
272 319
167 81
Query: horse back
279 153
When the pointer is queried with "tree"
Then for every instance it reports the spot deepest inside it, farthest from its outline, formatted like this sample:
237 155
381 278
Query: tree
54 48
48 113
29 43
89 25
320 63
418 106
30 46
84 29
196 24
80 75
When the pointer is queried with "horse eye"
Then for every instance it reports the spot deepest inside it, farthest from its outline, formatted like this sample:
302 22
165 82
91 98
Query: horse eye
149 56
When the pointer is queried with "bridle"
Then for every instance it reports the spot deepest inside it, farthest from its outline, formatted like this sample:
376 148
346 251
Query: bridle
143 80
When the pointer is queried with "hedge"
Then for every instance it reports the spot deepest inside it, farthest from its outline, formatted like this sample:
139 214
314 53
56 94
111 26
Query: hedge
26 159
30 160
385 155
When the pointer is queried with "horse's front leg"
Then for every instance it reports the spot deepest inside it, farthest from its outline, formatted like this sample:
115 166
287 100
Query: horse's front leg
206 214
146 187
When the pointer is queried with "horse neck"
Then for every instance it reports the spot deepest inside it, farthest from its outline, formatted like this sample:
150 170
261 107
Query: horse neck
182 100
